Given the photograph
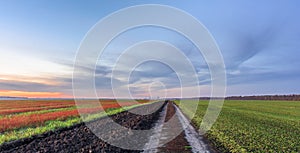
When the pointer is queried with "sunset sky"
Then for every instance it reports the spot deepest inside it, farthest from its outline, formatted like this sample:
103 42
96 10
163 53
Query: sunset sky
39 39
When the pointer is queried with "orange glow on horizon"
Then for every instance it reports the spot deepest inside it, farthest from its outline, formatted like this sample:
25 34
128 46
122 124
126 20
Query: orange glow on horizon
15 93
29 79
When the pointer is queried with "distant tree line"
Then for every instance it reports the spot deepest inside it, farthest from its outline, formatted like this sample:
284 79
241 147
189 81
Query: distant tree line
12 98
293 97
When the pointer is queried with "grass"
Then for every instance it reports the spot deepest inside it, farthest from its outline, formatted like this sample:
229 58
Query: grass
252 126
30 131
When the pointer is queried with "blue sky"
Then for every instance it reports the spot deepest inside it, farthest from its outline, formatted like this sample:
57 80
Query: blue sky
258 40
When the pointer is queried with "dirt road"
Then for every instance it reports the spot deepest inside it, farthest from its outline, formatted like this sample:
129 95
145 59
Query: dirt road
80 138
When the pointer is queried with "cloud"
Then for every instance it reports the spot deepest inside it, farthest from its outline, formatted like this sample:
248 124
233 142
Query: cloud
259 45
35 87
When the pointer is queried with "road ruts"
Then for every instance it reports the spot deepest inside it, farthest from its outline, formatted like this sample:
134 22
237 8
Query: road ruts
176 135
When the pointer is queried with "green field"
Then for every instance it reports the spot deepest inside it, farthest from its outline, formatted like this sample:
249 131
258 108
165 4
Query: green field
253 126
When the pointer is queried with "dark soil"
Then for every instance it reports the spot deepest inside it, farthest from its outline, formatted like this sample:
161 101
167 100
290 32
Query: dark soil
80 138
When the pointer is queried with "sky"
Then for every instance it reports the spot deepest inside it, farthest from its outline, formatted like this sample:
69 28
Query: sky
259 42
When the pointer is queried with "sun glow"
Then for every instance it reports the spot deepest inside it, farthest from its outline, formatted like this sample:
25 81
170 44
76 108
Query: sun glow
13 93
16 65
20 68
